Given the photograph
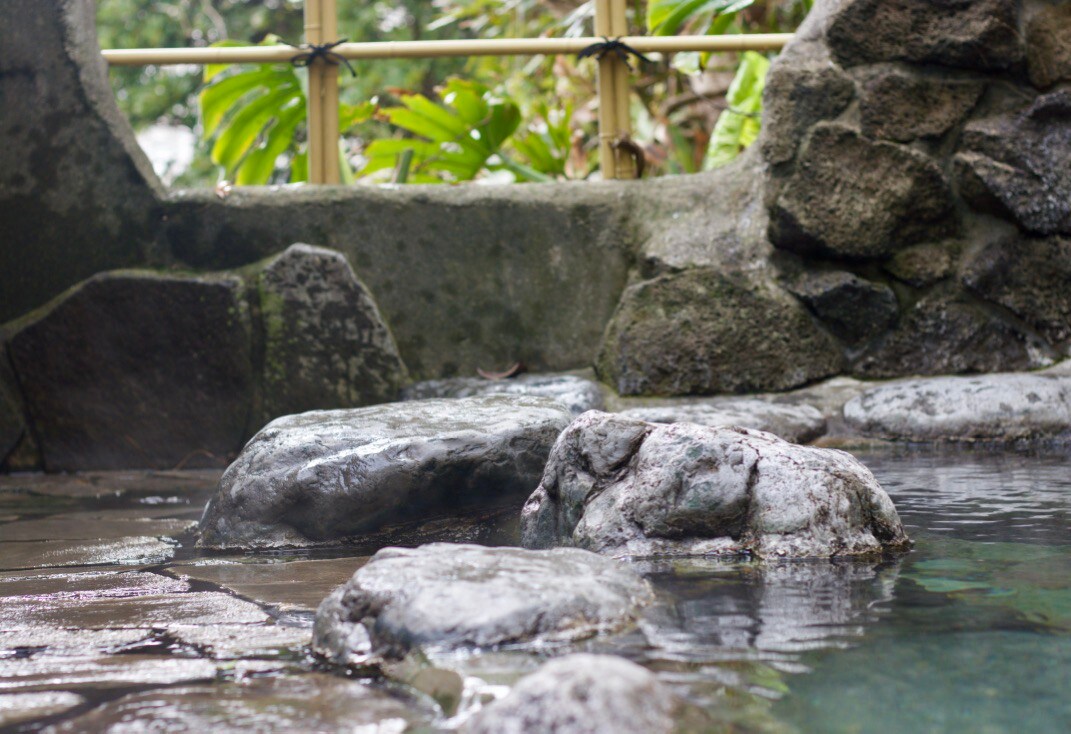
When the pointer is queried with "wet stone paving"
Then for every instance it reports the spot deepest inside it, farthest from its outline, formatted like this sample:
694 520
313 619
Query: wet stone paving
111 620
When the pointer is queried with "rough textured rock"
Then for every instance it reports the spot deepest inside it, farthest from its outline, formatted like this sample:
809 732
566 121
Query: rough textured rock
854 309
326 476
947 333
854 198
444 597
794 423
1048 46
77 195
18 707
630 488
575 393
12 424
901 106
1029 277
1001 407
700 332
925 264
1015 165
581 694
137 369
325 344
972 34
800 91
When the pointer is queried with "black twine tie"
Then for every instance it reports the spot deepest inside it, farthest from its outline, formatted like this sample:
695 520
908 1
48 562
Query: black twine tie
612 46
310 52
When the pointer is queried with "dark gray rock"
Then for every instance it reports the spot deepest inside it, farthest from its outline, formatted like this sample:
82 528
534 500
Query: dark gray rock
795 423
945 332
972 34
582 694
850 197
901 106
137 369
325 344
800 91
630 488
854 309
575 393
442 597
1031 278
1001 407
12 424
923 265
77 195
701 332
1048 45
1014 165
325 476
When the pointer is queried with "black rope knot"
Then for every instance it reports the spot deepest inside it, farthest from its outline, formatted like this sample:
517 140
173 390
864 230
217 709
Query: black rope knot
612 46
325 52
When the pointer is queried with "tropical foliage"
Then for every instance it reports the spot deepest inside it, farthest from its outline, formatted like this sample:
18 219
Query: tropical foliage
513 118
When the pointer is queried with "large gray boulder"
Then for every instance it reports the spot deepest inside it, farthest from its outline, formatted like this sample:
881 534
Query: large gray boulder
325 344
137 369
326 476
630 488
1001 407
576 393
582 694
794 423
701 332
443 597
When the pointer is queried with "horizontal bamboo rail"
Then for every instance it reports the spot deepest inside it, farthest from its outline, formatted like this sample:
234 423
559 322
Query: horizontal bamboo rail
435 49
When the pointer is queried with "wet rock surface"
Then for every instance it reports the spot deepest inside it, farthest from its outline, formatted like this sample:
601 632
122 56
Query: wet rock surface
325 343
582 694
16 707
630 488
326 476
794 423
700 332
100 365
310 703
1001 407
442 597
576 393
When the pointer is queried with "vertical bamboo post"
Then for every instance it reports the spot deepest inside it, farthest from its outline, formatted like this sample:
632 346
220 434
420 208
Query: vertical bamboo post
606 91
321 26
624 163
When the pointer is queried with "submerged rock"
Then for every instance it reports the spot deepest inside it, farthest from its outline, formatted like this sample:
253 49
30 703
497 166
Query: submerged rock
1002 407
582 694
325 476
630 488
795 423
441 597
576 393
313 702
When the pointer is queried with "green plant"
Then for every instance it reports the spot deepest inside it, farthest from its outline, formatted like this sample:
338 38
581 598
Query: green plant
739 124
455 140
256 116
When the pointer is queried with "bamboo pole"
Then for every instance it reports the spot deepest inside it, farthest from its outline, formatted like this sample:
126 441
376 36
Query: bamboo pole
439 49
606 89
625 165
329 96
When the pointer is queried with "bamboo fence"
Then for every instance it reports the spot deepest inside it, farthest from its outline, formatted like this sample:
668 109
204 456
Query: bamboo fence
321 26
